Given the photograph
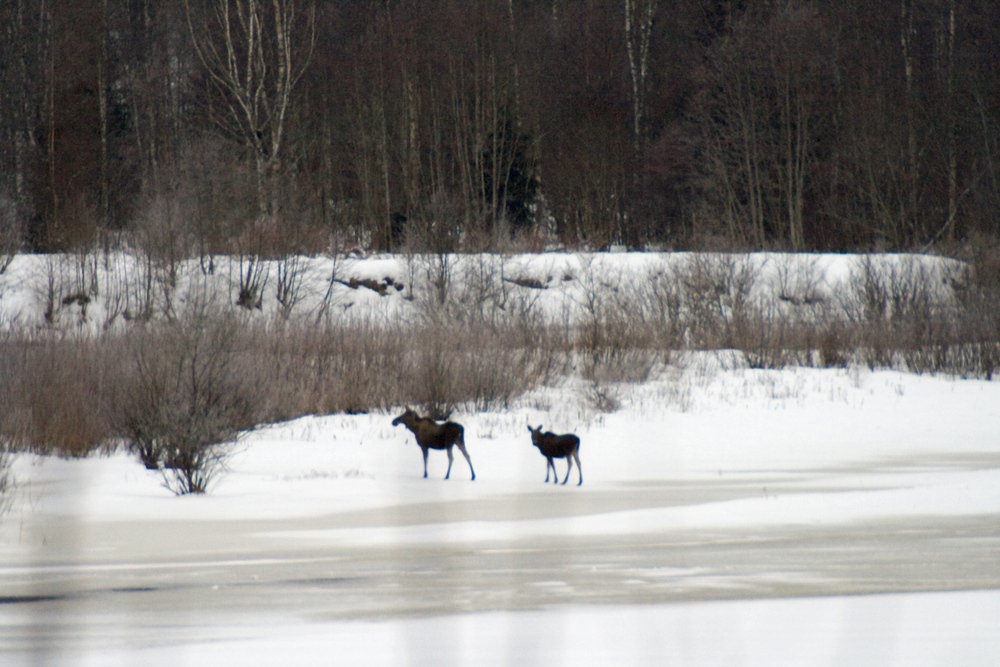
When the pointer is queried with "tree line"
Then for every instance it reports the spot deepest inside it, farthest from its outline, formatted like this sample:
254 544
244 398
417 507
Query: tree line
270 127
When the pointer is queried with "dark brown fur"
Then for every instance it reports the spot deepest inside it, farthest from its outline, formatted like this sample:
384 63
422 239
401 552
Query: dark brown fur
433 435
554 446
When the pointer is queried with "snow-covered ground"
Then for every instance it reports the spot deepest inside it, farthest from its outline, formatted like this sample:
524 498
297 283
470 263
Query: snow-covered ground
727 516
563 286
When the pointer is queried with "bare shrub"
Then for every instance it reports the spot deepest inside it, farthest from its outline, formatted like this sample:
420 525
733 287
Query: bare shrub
527 321
54 397
434 365
619 334
627 326
328 368
334 368
662 303
323 310
64 286
976 287
900 312
601 397
163 231
11 371
226 215
768 339
787 328
6 477
484 291
434 381
191 392
116 292
716 293
834 343
439 270
359 367
496 367
866 309
60 398
51 286
619 364
12 365
799 280
704 302
289 284
712 302
253 275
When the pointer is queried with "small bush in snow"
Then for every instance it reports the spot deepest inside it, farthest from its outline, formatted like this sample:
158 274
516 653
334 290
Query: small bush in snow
901 312
716 298
977 331
192 390
456 364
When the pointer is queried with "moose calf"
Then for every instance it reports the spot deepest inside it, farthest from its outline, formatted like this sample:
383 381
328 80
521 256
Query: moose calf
555 446
432 435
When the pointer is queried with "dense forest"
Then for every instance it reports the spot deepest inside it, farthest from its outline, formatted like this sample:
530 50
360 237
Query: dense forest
268 127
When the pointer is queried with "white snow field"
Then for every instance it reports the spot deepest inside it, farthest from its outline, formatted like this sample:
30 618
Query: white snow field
727 516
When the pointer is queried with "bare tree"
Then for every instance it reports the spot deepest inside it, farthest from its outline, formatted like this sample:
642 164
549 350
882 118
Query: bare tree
20 106
639 15
906 34
254 53
189 395
761 120
734 121
796 65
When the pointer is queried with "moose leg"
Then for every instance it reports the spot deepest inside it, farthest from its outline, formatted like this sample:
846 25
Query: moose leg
579 468
569 468
548 464
424 450
461 448
450 459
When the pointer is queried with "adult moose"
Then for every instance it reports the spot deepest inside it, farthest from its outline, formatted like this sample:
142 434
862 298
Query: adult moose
433 435
554 446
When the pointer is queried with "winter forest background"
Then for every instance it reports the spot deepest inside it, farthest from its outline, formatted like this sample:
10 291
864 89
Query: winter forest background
267 128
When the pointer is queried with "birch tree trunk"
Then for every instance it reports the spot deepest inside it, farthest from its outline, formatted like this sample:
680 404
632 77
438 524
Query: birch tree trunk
247 50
